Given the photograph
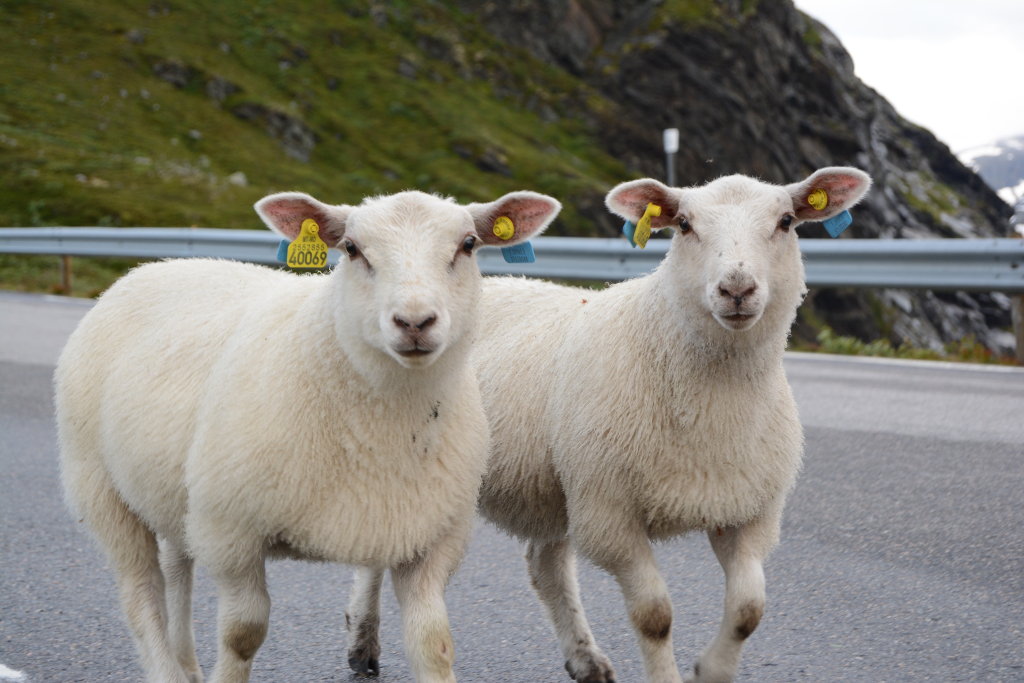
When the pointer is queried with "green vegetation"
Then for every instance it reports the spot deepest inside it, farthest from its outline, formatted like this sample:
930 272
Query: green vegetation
812 37
967 350
89 276
184 113
711 13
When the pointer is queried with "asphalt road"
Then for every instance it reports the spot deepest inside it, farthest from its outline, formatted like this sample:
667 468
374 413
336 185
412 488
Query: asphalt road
902 556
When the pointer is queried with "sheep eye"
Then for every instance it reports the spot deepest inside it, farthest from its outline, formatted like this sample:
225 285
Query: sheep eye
684 226
350 248
468 244
785 222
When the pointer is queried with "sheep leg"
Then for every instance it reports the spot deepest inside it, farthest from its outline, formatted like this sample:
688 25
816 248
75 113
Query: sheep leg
243 615
142 594
362 619
626 554
552 567
741 551
177 569
419 586
132 550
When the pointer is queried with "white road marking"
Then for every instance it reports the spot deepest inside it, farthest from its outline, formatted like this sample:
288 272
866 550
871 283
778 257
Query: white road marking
8 674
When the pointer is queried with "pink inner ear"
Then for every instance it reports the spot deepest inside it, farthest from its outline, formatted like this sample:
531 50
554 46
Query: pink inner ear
635 200
840 187
287 215
528 214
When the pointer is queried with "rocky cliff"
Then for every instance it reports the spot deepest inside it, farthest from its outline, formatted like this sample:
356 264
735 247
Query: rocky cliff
757 87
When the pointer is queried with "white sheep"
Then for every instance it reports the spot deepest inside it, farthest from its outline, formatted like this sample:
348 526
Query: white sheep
232 413
655 407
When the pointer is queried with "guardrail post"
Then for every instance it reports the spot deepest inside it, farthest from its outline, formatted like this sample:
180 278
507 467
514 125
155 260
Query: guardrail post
65 275
1017 310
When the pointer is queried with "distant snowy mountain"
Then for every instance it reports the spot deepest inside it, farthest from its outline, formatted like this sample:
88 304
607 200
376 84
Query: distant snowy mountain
1001 165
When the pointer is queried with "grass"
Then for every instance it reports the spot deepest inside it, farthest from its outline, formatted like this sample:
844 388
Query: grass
91 134
966 350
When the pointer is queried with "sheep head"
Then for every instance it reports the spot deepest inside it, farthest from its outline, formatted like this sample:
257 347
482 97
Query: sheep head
408 277
734 254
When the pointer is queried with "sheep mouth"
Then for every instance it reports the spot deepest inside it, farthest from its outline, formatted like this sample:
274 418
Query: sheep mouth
738 321
416 352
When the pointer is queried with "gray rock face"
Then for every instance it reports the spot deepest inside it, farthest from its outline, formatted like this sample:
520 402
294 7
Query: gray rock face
297 139
757 87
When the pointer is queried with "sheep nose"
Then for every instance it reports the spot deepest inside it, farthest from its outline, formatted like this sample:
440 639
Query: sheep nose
737 292
415 326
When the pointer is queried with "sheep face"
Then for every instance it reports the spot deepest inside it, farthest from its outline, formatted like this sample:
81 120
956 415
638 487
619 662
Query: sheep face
735 253
408 282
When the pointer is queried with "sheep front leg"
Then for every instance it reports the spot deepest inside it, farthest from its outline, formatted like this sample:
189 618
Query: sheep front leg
552 567
626 553
419 586
362 619
741 551
243 615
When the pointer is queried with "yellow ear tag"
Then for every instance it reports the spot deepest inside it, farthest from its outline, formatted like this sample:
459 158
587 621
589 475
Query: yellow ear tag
818 199
307 250
643 226
504 228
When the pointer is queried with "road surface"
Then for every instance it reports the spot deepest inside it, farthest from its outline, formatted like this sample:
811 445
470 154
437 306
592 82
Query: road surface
902 556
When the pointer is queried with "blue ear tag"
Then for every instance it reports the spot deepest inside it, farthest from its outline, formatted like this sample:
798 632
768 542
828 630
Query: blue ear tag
282 251
520 253
629 229
838 223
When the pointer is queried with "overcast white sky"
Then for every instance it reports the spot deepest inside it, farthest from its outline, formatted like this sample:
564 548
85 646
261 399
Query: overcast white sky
955 67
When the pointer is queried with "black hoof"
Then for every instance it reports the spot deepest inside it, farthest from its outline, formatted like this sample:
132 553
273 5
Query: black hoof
595 675
364 666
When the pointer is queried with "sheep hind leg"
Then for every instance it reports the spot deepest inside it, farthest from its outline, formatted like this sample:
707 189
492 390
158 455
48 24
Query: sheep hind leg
132 550
741 552
362 619
177 568
552 567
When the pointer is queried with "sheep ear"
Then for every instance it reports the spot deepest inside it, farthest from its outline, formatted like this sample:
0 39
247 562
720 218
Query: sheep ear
284 212
827 192
529 212
629 200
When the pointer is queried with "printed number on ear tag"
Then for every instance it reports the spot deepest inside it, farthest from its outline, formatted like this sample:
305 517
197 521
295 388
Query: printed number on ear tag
308 250
838 223
520 253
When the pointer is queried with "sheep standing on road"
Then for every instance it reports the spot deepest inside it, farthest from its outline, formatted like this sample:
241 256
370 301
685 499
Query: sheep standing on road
655 407
225 413
661 407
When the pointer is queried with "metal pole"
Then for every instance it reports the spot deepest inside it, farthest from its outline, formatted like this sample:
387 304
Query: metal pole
1017 302
65 275
670 138
1017 311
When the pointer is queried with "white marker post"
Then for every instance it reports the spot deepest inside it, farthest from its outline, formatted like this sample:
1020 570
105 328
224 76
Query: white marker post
670 137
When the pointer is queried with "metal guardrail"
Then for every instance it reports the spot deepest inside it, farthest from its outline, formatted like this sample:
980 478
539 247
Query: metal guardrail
935 264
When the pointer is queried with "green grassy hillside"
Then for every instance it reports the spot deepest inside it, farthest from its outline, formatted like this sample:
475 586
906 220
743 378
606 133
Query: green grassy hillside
184 112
